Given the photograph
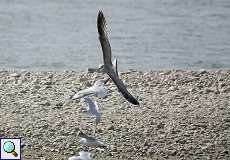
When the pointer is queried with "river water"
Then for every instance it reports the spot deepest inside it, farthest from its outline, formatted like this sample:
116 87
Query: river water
144 35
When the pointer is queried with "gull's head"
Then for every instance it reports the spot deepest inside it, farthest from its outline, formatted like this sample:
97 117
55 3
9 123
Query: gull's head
82 140
74 158
82 135
101 68
77 95
83 93
82 156
85 155
83 110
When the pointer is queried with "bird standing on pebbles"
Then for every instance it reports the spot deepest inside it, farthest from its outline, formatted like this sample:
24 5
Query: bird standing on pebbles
91 142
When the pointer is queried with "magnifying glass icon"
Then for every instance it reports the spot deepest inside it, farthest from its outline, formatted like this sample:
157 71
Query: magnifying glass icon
9 147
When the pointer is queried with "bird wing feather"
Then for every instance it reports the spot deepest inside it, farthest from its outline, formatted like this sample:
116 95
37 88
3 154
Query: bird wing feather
106 49
121 87
103 37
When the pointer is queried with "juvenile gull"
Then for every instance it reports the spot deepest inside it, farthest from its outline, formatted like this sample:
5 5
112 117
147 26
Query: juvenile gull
93 109
82 156
108 67
91 141
97 89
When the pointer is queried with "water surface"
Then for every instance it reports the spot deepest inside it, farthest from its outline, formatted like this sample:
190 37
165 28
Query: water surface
144 35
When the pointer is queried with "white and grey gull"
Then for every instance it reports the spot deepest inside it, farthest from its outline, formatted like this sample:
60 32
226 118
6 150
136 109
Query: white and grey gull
92 109
91 142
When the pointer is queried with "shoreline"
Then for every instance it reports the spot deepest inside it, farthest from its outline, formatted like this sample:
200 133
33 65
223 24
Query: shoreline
184 114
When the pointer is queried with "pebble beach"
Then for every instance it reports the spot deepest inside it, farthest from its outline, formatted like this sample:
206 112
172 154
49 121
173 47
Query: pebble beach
182 114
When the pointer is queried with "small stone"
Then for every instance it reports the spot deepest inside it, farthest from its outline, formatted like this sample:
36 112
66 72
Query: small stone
162 73
37 87
15 75
146 143
208 90
23 91
111 127
191 89
45 104
48 83
35 81
160 125
173 152
83 79
113 148
226 152
203 71
226 90
99 130
222 85
59 104
173 88
87 84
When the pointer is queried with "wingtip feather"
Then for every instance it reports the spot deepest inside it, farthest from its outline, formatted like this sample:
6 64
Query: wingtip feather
101 23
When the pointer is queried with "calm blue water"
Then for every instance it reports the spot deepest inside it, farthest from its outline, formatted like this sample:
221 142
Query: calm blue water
144 35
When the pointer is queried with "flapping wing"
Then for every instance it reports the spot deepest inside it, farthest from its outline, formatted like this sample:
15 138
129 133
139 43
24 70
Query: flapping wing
82 93
92 105
103 37
98 118
120 85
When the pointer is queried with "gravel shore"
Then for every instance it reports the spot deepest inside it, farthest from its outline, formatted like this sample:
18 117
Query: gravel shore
183 115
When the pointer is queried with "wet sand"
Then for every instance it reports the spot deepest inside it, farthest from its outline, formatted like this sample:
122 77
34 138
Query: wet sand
183 114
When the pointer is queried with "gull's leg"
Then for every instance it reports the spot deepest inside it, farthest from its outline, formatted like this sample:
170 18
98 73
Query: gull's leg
90 149
86 148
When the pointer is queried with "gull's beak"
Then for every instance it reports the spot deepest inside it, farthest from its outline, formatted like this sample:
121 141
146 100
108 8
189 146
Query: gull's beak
76 96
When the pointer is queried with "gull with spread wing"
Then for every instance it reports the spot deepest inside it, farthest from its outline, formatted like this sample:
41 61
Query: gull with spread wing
92 109
108 67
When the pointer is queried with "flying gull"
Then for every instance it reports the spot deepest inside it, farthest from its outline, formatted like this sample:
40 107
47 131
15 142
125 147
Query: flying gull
97 89
82 156
108 67
93 109
91 141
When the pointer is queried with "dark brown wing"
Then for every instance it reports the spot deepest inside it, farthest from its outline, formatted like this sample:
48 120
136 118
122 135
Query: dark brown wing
103 37
120 85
